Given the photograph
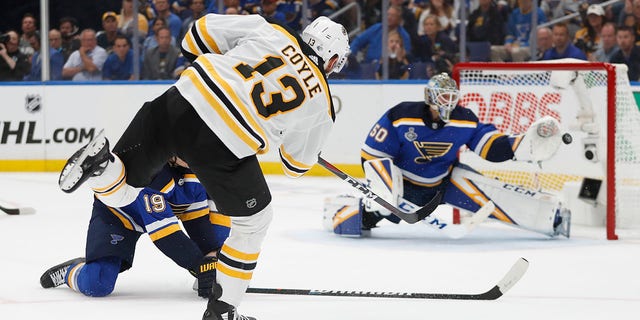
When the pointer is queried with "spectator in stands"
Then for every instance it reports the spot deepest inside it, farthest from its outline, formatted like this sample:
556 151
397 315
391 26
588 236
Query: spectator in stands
371 39
268 9
232 10
609 46
173 21
292 10
85 64
56 61
14 65
322 8
631 8
181 8
550 7
70 37
629 52
160 62
371 13
107 36
435 47
545 41
486 24
151 41
398 62
630 21
55 41
197 9
409 20
119 64
29 28
125 21
516 47
587 39
562 45
568 7
226 5
445 13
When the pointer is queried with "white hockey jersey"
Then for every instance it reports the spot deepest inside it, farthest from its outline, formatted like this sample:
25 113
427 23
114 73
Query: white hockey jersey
255 88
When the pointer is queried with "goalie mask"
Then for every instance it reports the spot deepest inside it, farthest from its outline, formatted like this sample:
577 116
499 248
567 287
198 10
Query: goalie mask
442 95
328 39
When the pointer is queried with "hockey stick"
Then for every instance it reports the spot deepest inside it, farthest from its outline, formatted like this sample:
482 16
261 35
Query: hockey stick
506 283
414 217
15 210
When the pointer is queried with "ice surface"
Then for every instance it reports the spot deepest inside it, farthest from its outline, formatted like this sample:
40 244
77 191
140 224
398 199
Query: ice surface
585 277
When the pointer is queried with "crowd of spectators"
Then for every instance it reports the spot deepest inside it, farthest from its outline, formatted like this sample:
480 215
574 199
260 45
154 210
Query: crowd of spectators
423 36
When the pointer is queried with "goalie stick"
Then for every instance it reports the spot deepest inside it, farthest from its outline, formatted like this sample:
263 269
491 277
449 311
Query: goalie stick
411 218
507 282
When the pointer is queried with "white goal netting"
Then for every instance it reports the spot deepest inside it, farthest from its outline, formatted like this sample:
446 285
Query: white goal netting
594 103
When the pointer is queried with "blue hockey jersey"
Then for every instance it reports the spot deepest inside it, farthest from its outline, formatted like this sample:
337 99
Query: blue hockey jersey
174 194
426 150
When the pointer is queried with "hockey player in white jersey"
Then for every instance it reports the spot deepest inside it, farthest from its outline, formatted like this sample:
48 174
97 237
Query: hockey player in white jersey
410 157
253 86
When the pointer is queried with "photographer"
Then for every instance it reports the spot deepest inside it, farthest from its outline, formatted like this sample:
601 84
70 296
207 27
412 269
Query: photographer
13 64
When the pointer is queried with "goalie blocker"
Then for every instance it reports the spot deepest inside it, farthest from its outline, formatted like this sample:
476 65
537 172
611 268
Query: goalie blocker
468 190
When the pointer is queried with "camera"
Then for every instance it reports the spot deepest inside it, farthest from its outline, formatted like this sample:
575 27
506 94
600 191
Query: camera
4 38
591 148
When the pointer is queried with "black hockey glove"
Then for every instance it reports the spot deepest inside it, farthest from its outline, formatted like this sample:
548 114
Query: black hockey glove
206 275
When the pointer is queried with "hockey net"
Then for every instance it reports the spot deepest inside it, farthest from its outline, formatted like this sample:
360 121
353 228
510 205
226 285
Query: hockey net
598 175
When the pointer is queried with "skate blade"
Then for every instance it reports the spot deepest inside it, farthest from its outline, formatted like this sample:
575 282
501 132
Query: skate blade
72 172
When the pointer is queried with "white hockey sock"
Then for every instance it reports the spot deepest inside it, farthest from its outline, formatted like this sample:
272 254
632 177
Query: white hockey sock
239 254
111 186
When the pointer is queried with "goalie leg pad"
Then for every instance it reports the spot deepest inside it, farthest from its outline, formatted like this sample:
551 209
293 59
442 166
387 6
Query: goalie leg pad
384 179
343 215
526 209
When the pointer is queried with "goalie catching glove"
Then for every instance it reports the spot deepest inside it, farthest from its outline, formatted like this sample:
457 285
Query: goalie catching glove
541 141
205 276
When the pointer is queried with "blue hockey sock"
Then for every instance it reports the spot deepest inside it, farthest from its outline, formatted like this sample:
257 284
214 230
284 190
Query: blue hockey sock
94 279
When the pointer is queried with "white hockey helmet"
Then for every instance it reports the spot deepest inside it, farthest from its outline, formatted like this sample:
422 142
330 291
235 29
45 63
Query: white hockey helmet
328 39
442 95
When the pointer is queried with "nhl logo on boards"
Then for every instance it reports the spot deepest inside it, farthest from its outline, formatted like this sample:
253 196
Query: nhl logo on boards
251 203
32 102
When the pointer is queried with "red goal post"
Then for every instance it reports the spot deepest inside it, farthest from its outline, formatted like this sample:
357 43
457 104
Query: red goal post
594 103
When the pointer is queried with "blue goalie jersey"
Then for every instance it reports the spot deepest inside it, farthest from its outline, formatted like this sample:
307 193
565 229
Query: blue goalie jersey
426 150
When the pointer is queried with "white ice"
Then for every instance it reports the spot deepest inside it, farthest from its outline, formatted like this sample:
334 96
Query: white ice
585 277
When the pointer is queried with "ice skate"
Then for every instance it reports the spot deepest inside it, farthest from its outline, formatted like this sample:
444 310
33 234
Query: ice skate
562 222
219 310
55 275
90 160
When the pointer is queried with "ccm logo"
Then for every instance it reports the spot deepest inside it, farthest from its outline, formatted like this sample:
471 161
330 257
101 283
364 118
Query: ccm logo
519 190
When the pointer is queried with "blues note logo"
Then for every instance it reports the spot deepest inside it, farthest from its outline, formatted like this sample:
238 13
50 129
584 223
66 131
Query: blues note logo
115 238
430 150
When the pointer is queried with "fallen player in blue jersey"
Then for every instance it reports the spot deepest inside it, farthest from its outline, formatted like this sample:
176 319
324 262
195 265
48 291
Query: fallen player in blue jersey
411 156
174 195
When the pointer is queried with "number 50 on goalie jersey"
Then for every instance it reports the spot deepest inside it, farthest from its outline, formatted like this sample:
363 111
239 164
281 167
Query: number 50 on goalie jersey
257 85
